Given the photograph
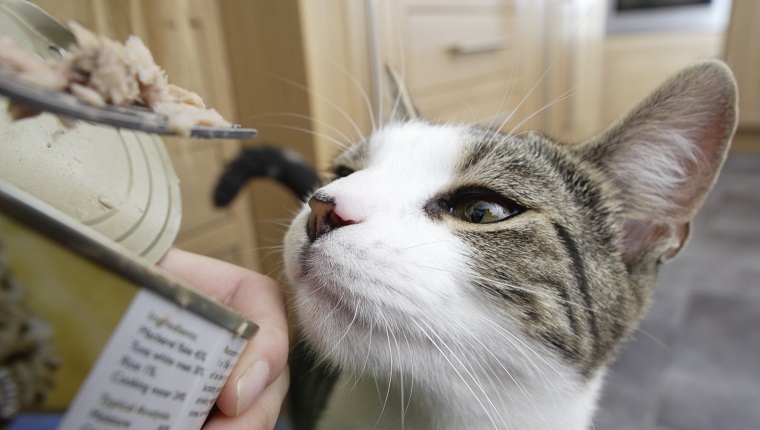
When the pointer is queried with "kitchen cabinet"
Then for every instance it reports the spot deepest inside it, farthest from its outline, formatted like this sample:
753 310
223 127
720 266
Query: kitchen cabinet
506 63
743 55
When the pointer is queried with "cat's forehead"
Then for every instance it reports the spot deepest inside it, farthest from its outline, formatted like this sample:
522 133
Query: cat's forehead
444 146
467 155
440 145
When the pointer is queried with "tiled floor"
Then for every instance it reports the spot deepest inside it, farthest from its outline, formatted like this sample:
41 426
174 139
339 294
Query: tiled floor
695 363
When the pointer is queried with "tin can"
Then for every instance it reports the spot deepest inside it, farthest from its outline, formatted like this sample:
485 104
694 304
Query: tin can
96 337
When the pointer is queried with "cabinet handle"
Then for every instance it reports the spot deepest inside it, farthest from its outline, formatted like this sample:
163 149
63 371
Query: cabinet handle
480 47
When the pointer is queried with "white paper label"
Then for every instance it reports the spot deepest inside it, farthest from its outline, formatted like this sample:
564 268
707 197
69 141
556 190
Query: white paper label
162 368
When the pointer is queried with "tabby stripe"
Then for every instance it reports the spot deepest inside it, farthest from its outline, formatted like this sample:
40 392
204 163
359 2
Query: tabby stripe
580 274
568 351
567 303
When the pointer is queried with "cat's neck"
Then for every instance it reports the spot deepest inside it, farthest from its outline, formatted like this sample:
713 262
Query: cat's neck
495 402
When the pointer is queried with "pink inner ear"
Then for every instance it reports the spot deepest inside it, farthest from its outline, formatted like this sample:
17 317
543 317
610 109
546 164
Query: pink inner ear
639 236
642 236
700 166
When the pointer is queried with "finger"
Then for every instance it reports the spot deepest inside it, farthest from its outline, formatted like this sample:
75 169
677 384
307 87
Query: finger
257 297
262 415
214 277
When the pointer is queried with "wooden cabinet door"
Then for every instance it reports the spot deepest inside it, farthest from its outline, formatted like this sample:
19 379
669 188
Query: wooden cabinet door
743 55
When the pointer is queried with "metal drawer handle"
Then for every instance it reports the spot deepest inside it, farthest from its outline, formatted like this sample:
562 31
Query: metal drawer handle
480 47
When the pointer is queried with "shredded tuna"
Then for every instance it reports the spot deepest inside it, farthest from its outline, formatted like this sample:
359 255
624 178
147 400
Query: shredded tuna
29 67
100 71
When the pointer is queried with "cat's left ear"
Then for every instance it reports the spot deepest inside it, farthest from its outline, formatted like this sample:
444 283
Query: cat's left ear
664 157
402 106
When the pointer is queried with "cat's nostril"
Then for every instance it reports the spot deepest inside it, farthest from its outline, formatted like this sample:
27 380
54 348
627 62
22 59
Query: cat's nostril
323 218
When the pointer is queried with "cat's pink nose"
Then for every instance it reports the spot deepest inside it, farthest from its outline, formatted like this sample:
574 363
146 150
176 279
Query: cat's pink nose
323 218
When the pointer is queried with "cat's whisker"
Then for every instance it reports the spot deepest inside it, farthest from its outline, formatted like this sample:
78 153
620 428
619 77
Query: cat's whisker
337 306
397 101
282 223
511 335
549 68
337 142
505 99
523 100
396 106
467 367
329 102
519 386
564 96
369 349
388 334
490 369
310 118
436 242
517 347
411 388
360 88
400 47
401 378
269 248
454 368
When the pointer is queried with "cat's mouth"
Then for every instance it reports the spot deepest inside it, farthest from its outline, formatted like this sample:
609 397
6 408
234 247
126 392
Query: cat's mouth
333 306
343 293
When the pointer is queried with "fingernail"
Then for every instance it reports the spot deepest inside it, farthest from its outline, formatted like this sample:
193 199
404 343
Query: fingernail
250 385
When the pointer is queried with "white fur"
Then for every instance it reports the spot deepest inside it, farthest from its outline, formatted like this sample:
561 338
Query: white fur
391 300
372 404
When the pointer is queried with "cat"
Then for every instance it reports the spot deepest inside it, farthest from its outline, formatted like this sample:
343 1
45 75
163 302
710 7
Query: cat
456 277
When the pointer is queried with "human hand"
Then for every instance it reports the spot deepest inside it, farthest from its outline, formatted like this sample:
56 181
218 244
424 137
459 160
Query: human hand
255 390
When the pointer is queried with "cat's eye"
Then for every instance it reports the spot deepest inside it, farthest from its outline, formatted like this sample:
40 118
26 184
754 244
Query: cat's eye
341 171
482 207
481 212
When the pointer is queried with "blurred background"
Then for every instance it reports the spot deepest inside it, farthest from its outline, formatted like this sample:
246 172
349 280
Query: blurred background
308 75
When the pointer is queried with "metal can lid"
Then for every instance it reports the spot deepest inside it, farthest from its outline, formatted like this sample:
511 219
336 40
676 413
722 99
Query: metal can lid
119 182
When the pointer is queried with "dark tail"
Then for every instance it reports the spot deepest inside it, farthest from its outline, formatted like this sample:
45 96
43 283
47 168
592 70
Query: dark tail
281 165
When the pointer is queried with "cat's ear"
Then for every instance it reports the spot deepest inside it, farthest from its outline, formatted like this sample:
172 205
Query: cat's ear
665 156
402 106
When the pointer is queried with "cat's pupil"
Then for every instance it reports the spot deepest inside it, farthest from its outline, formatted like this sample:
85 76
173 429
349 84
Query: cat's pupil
477 214
481 212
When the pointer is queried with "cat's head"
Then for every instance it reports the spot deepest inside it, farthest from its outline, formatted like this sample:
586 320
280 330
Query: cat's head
437 245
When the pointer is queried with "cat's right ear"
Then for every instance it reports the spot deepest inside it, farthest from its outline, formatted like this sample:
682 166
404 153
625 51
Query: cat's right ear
665 155
402 106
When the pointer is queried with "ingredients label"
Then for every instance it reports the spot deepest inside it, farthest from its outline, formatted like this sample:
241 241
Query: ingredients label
162 368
